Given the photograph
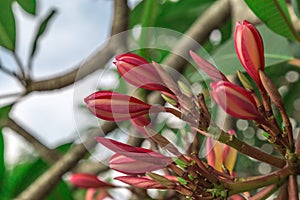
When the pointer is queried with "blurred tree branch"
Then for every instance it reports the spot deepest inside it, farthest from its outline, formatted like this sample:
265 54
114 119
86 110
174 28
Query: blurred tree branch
95 62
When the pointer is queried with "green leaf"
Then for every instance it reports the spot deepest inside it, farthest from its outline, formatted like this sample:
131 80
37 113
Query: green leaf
61 191
24 174
296 7
170 14
39 33
275 15
4 111
28 5
7 25
64 147
277 50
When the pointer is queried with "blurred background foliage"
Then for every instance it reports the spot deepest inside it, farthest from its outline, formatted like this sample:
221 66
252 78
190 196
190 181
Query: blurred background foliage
281 53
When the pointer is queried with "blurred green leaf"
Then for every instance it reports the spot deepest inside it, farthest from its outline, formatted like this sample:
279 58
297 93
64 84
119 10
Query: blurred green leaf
61 191
28 5
4 111
7 25
296 7
277 50
64 147
24 174
41 30
170 14
275 15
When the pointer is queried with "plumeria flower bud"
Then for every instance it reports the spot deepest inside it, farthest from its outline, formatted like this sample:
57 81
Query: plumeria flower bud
88 181
128 165
219 154
144 182
113 106
250 49
245 82
235 100
99 194
139 72
229 154
135 153
208 68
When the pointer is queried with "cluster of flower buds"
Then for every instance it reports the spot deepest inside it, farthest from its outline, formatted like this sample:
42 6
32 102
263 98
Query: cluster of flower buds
187 173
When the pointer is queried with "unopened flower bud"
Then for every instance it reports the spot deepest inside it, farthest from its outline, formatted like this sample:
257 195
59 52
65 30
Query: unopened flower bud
250 49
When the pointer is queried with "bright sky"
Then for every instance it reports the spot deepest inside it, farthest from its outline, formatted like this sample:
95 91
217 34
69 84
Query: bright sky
79 27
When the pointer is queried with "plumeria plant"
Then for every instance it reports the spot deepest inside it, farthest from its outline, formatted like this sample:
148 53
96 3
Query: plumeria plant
213 177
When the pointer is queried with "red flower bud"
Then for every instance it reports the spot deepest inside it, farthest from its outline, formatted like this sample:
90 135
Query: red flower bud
208 68
250 49
139 72
113 106
88 181
235 100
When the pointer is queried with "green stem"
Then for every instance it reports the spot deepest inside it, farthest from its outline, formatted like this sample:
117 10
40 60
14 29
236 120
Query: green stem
257 182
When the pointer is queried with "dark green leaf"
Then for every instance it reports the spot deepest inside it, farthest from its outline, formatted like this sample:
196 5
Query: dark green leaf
28 5
41 30
275 15
7 25
64 148
4 111
23 175
61 191
177 16
296 6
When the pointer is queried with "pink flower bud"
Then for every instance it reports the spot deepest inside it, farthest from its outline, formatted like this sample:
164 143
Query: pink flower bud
139 72
113 106
88 181
250 49
144 182
235 100
128 165
99 194
208 68
136 153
